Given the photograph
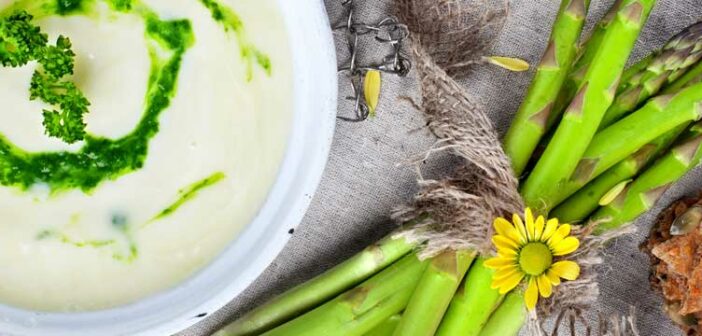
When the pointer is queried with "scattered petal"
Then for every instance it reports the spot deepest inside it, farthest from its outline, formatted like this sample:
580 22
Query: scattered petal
371 90
509 63
612 194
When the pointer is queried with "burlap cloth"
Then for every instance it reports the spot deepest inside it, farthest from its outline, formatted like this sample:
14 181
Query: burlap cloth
365 177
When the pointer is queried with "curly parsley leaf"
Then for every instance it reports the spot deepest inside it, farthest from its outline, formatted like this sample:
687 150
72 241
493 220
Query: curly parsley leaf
66 124
22 42
58 61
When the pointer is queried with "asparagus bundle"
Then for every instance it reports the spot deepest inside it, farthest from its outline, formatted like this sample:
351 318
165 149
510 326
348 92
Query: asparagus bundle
582 117
656 71
580 205
320 289
586 200
389 290
530 122
645 191
632 133
585 56
361 309
473 303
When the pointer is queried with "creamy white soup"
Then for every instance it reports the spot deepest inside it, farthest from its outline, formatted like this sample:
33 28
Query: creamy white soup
188 117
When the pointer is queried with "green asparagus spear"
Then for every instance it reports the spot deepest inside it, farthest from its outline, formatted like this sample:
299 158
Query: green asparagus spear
662 68
694 75
508 318
473 303
583 115
529 124
644 192
610 146
433 294
361 309
320 289
387 327
579 206
586 54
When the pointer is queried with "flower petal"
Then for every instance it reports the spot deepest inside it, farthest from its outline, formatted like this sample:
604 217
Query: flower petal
566 246
510 283
544 285
504 228
553 277
531 296
529 219
550 229
566 269
505 272
499 262
562 232
508 253
539 228
502 225
504 243
520 227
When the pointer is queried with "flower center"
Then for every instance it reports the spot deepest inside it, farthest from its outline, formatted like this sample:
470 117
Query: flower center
535 258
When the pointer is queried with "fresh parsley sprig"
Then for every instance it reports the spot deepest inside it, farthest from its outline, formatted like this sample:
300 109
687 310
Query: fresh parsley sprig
22 42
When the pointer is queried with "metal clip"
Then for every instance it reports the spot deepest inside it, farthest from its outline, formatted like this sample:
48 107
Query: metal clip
388 31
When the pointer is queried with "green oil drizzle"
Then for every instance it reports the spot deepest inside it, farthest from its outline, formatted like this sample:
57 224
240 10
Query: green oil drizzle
127 252
101 158
188 193
121 223
65 239
231 21
43 8
67 7
121 5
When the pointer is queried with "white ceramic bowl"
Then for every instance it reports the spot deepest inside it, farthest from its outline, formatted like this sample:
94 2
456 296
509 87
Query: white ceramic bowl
255 248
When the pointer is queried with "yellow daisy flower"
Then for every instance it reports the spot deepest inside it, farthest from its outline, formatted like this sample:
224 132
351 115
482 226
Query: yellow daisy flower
525 252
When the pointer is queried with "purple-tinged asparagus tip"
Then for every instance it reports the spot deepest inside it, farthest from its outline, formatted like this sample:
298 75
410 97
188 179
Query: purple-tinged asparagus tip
541 118
664 100
687 150
642 155
576 106
652 196
549 60
577 8
583 172
634 12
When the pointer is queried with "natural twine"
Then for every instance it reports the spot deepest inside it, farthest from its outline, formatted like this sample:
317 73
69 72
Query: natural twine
449 37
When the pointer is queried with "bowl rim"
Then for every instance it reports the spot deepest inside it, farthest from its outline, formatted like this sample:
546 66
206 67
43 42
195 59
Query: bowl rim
250 253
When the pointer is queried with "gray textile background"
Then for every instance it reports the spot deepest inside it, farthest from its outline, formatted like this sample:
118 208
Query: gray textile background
363 180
